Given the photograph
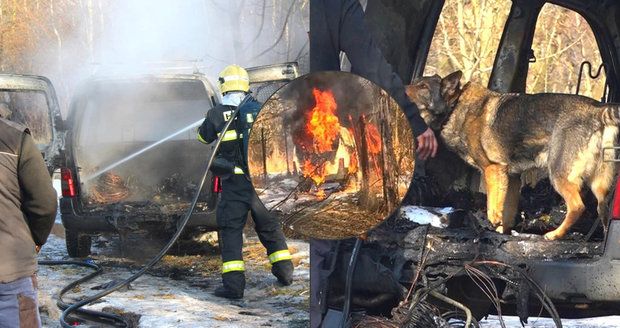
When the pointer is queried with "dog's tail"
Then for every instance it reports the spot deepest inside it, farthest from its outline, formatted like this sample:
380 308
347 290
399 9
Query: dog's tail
611 115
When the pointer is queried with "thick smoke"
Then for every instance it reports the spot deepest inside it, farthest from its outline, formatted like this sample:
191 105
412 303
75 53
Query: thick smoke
99 39
94 38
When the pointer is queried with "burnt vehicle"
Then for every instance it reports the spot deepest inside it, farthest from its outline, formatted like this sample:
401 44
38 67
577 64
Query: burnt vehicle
460 256
33 103
132 163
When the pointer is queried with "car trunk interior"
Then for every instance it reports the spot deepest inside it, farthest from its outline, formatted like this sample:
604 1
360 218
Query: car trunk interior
116 120
446 180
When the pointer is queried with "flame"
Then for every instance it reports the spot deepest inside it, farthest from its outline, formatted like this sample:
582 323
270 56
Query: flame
329 147
323 125
373 139
373 142
316 172
353 163
276 162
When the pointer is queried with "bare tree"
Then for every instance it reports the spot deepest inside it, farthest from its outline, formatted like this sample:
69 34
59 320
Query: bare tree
468 34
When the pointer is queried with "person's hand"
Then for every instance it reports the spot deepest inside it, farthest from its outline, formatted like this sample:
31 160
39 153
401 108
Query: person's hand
37 248
427 144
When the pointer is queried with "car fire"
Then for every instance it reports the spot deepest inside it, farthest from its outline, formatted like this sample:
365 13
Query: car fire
324 156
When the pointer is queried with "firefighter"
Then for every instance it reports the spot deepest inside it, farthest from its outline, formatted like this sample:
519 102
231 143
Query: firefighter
238 196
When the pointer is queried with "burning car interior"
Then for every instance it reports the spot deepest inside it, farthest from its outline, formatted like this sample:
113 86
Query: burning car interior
133 162
116 121
323 154
440 238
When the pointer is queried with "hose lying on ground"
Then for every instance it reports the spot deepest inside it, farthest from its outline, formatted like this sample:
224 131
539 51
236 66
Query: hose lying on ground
76 307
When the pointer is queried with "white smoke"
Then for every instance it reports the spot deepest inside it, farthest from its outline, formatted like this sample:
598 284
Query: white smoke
150 36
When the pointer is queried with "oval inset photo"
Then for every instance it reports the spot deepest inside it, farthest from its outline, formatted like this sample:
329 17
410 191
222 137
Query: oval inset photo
332 154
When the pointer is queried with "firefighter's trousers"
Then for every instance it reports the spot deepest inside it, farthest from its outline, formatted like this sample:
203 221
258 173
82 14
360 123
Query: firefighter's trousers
238 198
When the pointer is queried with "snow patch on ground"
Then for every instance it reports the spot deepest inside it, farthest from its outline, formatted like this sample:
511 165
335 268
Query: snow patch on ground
164 302
598 322
435 216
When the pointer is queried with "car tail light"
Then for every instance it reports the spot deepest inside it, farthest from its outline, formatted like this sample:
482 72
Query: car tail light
67 182
615 212
217 187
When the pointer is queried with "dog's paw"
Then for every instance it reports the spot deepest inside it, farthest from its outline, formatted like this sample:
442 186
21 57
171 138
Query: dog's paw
553 235
502 230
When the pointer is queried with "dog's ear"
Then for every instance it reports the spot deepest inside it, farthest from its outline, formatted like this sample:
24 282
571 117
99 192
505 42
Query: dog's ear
451 87
451 82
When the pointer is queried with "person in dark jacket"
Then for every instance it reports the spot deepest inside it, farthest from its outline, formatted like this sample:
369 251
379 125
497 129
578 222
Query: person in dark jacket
338 26
238 195
27 212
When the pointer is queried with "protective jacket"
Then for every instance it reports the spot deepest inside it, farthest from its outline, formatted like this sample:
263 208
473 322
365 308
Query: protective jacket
235 141
27 202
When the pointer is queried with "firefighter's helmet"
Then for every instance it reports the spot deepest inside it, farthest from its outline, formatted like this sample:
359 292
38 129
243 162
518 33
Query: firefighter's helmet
234 78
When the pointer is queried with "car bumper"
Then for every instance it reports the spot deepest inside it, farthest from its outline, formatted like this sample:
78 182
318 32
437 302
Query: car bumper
98 223
589 280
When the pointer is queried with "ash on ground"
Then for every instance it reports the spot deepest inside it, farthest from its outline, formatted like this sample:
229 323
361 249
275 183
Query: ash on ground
327 212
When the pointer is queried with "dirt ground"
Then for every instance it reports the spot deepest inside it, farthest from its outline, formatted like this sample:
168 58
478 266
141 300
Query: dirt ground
177 292
342 220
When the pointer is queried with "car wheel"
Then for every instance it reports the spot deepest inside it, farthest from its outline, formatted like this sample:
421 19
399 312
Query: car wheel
78 244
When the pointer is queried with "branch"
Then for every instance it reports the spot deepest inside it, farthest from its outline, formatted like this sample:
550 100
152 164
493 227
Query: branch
288 15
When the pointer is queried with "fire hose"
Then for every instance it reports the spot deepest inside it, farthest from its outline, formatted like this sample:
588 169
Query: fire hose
346 308
107 317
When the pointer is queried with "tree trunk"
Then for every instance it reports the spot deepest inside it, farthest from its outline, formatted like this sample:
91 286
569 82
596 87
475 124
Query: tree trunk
288 170
388 159
363 161
264 148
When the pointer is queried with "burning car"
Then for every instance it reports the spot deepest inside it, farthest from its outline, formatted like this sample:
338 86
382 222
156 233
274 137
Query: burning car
331 152
131 161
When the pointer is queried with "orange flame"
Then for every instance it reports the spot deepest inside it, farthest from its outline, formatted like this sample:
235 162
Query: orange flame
316 172
323 127
352 163
373 139
323 124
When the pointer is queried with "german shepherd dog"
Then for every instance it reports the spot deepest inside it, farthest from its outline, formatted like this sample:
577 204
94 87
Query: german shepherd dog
504 135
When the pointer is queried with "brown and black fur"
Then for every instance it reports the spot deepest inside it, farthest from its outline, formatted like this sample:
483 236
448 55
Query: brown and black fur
504 135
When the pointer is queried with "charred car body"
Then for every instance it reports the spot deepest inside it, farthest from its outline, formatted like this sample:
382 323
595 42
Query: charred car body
577 274
131 160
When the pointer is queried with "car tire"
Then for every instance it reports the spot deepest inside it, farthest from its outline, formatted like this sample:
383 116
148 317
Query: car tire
78 244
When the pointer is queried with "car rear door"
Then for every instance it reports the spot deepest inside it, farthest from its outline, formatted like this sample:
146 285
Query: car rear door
267 79
33 103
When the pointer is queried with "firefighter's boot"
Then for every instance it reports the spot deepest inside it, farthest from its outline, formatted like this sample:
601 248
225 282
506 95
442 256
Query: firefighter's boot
283 270
233 285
